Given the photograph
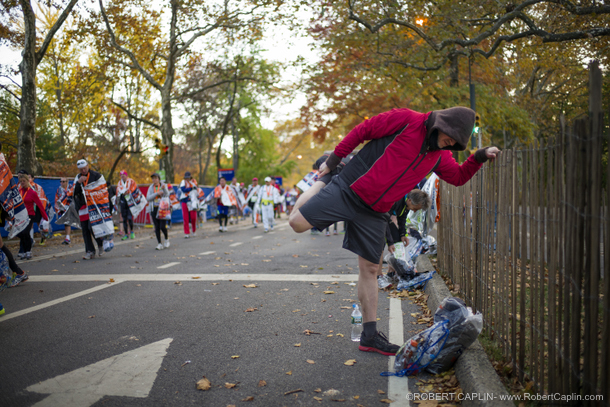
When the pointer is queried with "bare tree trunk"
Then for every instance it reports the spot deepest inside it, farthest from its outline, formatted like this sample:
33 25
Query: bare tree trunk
26 135
454 80
199 154
167 133
58 95
208 155
235 144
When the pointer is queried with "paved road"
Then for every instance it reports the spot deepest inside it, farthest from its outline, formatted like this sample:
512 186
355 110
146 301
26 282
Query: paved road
140 327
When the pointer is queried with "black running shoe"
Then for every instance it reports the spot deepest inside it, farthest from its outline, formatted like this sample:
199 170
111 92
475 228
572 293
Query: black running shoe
378 343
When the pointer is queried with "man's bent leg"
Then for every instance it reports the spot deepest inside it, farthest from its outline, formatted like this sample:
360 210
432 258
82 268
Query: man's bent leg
305 196
297 222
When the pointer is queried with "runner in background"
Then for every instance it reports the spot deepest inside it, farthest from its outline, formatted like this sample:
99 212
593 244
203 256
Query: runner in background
252 197
267 197
124 187
188 214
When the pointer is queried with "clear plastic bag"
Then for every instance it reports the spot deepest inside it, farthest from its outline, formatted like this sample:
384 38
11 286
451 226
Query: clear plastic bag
464 327
404 266
437 348
421 349
417 282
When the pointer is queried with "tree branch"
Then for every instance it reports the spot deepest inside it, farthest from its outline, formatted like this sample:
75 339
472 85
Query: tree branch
9 91
125 51
140 119
53 30
517 13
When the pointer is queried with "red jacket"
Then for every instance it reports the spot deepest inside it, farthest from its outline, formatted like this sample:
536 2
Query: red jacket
397 159
30 198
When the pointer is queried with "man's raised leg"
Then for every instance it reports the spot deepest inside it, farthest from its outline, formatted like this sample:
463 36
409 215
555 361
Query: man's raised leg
296 221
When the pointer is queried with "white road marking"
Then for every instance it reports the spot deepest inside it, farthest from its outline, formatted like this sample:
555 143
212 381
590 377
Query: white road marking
235 244
59 300
206 253
190 277
256 237
398 387
130 374
168 265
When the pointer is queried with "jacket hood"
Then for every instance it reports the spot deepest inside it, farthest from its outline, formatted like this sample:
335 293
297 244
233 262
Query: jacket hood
456 122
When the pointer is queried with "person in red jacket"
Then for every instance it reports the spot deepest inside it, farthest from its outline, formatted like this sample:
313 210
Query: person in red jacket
30 198
404 147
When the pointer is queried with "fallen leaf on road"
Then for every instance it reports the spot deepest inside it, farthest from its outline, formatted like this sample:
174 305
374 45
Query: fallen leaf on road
230 385
329 292
211 242
337 399
356 397
380 391
92 316
195 277
178 282
341 335
331 392
311 362
295 255
266 260
388 401
250 286
251 310
296 310
249 398
297 345
309 332
262 383
292 391
344 307
289 373
304 266
204 384
318 390
318 398
350 362
234 356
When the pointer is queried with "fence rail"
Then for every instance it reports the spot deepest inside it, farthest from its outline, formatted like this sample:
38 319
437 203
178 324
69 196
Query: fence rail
524 241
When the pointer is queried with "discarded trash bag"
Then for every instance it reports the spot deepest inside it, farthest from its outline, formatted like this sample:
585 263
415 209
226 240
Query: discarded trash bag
420 350
464 327
404 266
416 282
437 348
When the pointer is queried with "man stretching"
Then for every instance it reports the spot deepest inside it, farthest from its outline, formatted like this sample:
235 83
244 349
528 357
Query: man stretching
405 146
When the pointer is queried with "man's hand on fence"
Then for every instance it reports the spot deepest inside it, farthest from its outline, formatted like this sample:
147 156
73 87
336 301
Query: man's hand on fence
486 153
492 152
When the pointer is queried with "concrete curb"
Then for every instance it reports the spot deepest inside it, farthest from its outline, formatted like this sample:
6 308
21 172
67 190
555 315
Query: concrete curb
478 379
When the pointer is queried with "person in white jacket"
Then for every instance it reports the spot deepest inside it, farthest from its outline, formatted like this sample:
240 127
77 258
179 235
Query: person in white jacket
267 197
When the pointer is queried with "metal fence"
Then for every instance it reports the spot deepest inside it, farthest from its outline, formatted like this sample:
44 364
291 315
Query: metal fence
524 243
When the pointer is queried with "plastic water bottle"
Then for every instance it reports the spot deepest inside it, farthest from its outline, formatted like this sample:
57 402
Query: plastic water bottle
356 323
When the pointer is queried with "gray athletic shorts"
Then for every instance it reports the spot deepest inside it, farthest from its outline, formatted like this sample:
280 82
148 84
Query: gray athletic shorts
365 228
